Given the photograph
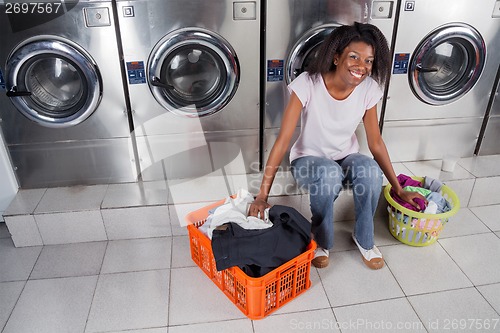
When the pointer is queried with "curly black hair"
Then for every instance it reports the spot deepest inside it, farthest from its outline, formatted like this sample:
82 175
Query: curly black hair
341 37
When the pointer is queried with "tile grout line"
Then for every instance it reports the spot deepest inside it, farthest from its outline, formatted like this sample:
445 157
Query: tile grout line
169 300
15 304
492 307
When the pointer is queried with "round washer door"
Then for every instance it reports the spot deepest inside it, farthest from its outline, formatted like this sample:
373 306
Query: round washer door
447 64
53 83
305 50
193 72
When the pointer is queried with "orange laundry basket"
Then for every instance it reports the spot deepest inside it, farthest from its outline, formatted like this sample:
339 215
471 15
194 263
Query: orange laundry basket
255 297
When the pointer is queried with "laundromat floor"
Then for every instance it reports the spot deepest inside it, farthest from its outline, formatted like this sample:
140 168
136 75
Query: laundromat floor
116 258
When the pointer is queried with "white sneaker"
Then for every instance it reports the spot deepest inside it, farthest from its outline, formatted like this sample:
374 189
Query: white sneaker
372 258
321 259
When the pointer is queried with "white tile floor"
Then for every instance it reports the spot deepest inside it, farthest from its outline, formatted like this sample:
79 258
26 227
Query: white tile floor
150 284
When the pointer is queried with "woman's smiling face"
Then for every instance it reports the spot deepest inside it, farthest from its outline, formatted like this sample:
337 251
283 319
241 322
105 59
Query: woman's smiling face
355 63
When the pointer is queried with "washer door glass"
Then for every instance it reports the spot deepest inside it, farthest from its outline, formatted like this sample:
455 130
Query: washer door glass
447 64
193 72
56 85
53 83
304 51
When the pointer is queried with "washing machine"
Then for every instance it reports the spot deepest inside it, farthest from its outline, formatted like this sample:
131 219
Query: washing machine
8 182
489 136
62 105
193 79
294 31
445 61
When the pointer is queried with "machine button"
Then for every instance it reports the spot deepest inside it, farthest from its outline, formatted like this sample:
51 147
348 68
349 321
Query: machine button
244 10
97 17
409 6
496 10
382 9
128 11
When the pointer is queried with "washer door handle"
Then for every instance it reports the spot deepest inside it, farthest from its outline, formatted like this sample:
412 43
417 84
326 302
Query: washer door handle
426 70
157 83
14 93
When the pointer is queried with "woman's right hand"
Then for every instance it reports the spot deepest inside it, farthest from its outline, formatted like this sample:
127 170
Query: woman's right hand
289 123
257 208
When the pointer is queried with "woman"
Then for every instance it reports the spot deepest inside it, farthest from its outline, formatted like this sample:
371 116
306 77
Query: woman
339 89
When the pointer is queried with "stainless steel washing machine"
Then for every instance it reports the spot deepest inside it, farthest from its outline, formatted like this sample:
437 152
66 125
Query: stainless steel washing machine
490 132
294 31
8 182
445 62
62 107
193 78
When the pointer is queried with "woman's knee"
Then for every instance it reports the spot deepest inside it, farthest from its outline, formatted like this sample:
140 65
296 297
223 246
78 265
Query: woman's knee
320 176
366 171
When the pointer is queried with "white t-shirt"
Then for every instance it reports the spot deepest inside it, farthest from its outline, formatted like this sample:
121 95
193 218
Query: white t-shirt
328 125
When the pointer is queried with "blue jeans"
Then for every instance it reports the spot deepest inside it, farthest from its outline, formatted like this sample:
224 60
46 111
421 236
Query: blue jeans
325 178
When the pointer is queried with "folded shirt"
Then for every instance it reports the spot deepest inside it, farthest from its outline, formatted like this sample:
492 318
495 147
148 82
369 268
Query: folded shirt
235 210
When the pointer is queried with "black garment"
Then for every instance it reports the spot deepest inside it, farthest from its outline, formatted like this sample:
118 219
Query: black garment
259 251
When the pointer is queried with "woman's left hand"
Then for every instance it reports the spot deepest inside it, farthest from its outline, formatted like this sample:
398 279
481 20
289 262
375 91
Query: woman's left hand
409 197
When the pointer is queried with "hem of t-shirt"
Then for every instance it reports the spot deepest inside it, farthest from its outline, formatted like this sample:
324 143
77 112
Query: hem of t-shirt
337 157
